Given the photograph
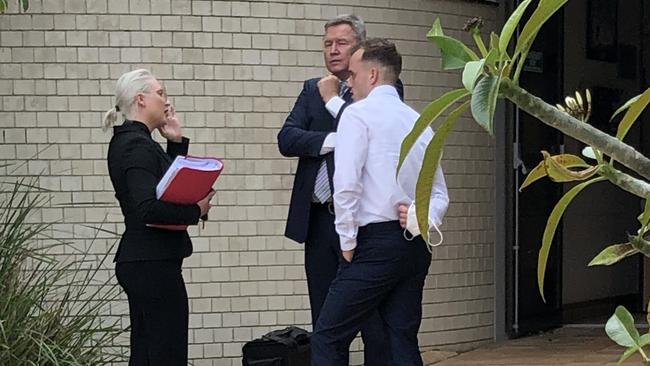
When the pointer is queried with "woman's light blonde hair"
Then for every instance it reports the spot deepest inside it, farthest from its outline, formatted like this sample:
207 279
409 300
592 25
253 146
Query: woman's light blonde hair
128 86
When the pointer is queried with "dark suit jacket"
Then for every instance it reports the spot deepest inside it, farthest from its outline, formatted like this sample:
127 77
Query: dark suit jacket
302 135
136 163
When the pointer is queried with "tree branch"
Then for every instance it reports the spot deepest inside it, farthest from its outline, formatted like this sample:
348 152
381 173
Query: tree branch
625 181
609 145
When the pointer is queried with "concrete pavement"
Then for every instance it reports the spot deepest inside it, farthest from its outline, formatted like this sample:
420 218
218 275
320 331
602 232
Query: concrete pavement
561 347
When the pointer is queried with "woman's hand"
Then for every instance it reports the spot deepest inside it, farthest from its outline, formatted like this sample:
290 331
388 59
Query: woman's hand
172 129
204 204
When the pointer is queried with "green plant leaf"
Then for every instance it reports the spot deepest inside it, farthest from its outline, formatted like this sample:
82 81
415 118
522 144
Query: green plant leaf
545 9
430 164
25 4
492 58
640 244
3 6
627 354
471 73
454 53
494 42
634 111
565 160
644 218
436 29
644 340
613 254
551 226
625 106
511 24
620 328
559 173
484 101
429 114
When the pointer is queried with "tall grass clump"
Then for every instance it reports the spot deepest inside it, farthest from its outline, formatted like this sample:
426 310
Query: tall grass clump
50 310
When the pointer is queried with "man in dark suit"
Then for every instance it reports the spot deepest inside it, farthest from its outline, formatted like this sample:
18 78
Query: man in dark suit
309 133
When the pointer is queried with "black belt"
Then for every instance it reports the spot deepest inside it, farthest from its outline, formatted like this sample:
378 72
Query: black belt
329 206
322 204
379 227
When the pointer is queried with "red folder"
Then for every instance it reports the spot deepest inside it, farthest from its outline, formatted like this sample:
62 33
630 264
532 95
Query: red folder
188 180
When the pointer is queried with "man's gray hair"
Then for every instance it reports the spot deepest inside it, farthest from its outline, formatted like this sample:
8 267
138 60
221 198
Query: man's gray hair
355 22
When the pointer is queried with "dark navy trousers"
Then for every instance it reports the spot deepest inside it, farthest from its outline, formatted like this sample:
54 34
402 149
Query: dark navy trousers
322 259
386 276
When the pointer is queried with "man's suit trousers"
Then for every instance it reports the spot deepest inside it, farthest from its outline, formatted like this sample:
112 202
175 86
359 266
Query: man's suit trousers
322 258
158 310
387 274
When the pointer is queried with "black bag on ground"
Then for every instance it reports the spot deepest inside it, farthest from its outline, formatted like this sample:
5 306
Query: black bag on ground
283 347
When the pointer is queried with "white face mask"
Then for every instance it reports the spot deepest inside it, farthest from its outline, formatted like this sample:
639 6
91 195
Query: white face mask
414 230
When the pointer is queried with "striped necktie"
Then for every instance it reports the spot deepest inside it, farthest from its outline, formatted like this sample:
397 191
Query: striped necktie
322 189
343 88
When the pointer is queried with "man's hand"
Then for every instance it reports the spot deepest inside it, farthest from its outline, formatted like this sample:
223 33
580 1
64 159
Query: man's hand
328 87
348 254
403 210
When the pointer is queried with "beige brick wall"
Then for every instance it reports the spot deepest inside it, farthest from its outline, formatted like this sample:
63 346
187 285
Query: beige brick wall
233 69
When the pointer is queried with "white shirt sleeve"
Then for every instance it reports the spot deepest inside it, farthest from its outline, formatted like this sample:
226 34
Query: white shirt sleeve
334 105
349 158
328 143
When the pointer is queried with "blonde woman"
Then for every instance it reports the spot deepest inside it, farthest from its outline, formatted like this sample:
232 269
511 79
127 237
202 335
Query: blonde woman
149 260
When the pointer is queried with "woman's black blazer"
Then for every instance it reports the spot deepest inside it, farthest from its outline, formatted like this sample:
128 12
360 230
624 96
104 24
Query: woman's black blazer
136 163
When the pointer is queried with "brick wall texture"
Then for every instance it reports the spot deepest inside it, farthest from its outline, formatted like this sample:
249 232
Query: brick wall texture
233 70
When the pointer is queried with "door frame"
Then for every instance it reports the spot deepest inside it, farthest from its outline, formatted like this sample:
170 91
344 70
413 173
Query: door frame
505 214
503 201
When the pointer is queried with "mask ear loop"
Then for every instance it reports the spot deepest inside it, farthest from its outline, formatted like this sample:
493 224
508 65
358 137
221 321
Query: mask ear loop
408 236
441 238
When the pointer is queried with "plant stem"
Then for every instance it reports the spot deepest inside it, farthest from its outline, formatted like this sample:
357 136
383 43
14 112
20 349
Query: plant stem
645 358
520 66
609 145
479 42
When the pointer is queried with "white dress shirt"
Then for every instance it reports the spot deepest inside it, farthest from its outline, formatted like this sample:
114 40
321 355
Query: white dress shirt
368 141
333 106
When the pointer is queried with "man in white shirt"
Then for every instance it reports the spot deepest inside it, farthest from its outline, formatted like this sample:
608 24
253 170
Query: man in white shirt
309 133
382 270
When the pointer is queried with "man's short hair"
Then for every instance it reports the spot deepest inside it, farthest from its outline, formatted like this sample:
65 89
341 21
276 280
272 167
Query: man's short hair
355 22
383 52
